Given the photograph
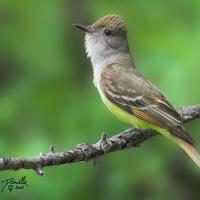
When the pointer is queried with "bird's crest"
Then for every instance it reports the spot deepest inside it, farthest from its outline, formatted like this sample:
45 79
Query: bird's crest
110 20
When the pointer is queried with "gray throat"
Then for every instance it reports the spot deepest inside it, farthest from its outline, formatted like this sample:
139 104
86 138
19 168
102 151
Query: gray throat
100 61
119 57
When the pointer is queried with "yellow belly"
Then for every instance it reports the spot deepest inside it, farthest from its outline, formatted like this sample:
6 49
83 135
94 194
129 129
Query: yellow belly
124 115
129 118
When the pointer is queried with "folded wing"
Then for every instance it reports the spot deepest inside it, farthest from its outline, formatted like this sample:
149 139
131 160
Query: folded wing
132 92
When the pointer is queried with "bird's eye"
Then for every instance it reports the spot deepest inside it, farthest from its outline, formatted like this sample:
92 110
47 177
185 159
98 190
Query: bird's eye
108 32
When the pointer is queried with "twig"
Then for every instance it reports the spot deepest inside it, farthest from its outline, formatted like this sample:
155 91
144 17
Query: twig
83 152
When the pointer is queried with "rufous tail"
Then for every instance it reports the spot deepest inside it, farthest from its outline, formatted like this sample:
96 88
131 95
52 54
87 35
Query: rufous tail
190 150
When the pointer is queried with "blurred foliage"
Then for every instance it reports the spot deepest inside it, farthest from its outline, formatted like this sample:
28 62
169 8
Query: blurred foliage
47 96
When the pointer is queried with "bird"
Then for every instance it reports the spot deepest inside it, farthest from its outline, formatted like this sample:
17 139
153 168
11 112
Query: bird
125 91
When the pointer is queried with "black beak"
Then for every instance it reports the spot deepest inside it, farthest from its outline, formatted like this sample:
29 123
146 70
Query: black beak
85 28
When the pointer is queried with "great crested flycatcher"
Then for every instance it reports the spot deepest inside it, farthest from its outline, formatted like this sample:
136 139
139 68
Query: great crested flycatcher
124 90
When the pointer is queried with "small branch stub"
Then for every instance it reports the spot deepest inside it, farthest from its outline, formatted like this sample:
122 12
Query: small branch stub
39 170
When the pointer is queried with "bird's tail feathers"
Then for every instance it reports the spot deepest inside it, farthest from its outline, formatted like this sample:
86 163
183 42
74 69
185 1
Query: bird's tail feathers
189 149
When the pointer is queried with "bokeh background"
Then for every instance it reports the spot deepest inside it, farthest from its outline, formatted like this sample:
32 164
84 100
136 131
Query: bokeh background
47 97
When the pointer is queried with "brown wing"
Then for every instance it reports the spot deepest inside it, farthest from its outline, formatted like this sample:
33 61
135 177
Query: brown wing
131 91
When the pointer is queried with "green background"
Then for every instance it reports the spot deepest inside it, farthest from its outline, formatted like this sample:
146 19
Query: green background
47 97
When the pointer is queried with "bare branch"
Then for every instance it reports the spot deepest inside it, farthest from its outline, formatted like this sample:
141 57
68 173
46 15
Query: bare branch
84 152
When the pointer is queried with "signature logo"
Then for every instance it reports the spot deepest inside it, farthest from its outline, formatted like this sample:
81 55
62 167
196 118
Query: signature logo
14 184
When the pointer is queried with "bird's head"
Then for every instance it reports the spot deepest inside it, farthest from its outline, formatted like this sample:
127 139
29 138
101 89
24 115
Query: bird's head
105 37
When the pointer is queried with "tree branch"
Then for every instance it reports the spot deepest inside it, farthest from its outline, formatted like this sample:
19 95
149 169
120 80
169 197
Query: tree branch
83 152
